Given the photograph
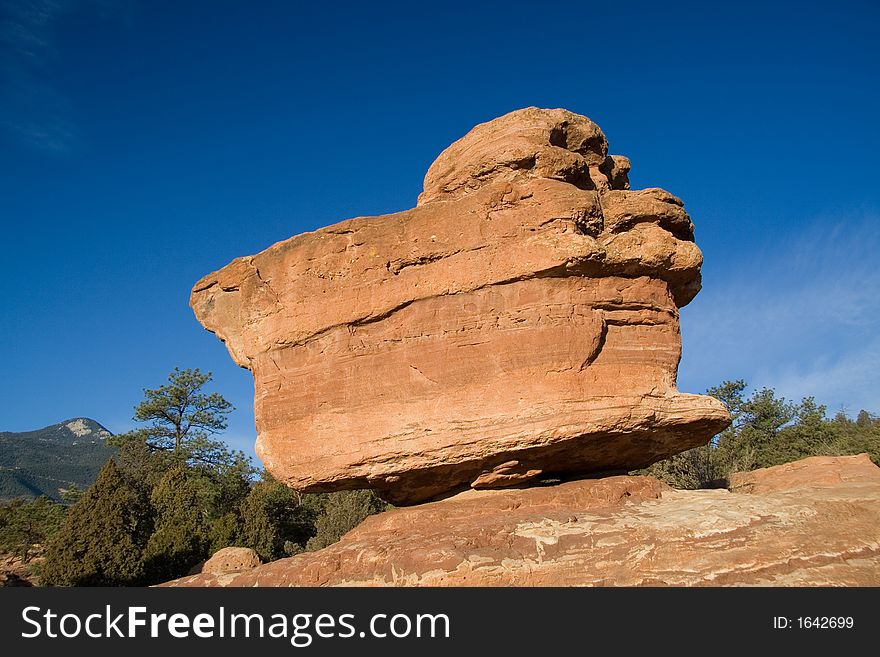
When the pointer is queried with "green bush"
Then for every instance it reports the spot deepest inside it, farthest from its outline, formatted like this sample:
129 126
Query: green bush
179 539
274 520
26 524
342 512
103 536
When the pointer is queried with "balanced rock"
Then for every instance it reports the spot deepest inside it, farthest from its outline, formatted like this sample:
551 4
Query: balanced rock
614 531
520 323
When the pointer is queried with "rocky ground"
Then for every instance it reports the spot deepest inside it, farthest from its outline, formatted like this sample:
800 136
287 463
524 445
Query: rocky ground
16 572
815 522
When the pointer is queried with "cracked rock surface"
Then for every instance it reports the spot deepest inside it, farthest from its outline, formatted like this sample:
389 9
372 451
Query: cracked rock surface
812 523
520 323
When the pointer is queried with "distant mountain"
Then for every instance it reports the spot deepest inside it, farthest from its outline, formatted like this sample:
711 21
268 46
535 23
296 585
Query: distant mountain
47 461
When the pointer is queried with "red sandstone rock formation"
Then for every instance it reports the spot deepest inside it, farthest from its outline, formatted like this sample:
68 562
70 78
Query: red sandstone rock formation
818 527
520 322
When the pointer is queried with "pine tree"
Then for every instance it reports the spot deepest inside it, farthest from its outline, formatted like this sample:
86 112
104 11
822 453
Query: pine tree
179 539
103 537
23 525
180 419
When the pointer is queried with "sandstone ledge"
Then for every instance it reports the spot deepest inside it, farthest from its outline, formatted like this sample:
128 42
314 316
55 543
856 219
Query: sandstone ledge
821 528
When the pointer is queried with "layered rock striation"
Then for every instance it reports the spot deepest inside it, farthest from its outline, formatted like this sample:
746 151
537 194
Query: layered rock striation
520 323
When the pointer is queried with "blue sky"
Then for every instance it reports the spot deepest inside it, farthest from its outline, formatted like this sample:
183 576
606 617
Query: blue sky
145 144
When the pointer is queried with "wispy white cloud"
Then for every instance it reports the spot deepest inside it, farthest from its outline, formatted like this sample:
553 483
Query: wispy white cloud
850 382
31 106
27 25
801 316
